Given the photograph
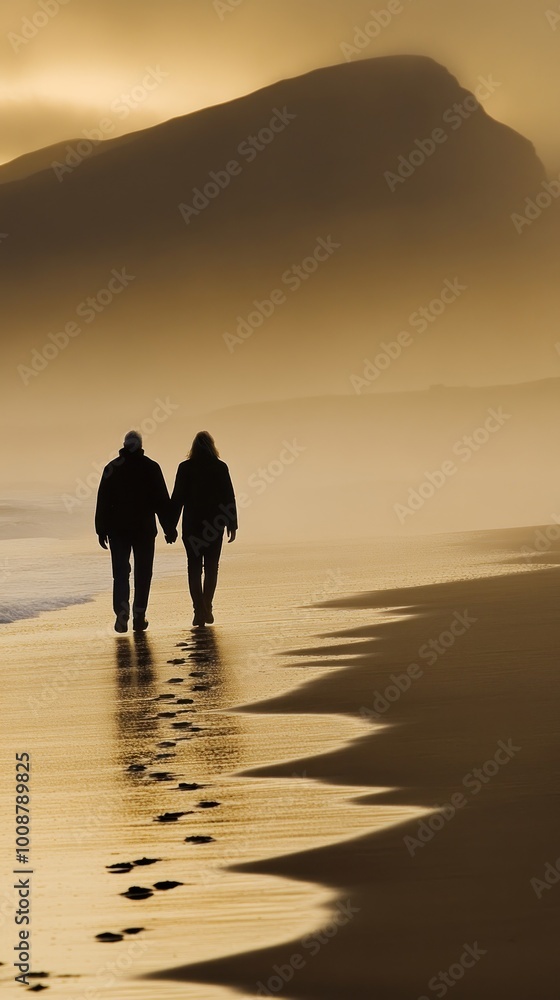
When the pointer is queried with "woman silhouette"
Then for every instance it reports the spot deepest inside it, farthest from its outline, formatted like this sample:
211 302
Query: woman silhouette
204 492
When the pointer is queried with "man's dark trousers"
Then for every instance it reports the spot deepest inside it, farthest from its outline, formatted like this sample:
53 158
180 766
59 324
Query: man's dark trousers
142 547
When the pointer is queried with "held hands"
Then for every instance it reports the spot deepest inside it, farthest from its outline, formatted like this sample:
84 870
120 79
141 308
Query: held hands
103 539
232 533
171 536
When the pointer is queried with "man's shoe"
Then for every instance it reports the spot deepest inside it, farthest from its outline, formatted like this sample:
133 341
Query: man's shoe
208 614
140 624
199 618
121 624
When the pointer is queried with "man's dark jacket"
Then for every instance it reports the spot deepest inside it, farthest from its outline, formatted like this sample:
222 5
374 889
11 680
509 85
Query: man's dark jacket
204 491
131 492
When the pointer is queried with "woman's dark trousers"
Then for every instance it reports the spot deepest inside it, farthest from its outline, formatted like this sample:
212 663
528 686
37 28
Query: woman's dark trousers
203 557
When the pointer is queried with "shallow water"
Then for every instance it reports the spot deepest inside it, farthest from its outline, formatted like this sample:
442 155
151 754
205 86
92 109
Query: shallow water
83 702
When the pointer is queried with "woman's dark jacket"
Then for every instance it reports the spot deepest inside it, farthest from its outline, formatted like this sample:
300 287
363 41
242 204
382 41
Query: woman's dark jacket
204 492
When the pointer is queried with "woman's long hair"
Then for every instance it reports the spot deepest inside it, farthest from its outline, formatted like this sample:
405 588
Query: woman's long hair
203 446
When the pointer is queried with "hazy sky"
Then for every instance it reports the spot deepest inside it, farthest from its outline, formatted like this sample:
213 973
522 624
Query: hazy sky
82 57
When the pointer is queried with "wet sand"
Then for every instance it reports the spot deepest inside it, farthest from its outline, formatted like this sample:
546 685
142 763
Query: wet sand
450 906
137 751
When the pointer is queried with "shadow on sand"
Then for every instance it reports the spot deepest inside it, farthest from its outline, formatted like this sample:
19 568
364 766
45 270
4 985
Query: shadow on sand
466 879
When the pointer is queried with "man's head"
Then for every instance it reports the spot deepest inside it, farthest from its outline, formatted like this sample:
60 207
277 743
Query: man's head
133 441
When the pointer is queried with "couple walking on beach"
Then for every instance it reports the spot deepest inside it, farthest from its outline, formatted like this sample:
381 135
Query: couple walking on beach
132 492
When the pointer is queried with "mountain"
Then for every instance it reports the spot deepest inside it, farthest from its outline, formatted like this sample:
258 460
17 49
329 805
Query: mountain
42 159
340 130
309 249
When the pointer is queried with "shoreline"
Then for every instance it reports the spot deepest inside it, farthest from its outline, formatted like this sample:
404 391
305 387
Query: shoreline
114 724
527 547
473 735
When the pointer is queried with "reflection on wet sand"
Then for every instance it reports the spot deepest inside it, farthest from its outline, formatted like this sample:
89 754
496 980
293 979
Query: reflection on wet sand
144 748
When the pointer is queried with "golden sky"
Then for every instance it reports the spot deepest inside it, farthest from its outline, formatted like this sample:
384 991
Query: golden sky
87 60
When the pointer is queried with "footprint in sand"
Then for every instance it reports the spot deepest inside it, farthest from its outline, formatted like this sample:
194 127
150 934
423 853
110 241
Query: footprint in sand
176 680
170 817
161 776
185 786
123 867
164 697
120 869
164 886
208 805
166 715
107 936
197 673
198 840
165 756
176 662
137 892
133 930
166 743
181 725
185 701
137 767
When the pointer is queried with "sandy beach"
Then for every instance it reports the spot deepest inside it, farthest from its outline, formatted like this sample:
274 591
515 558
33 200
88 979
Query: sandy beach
137 752
467 900
343 799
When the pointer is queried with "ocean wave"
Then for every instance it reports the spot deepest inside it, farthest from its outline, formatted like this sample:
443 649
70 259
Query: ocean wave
31 608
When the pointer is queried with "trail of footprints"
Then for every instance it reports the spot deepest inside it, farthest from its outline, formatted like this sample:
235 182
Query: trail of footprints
172 707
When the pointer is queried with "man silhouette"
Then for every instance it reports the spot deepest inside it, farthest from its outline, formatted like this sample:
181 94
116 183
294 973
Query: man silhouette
131 492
